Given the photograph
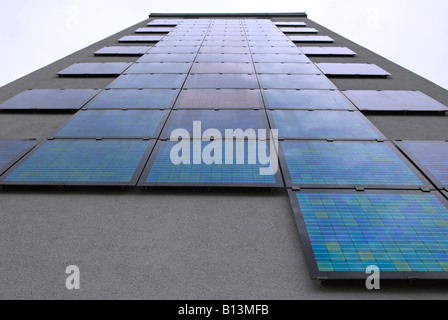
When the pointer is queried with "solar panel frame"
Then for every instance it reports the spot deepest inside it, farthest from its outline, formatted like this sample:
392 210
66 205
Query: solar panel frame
143 179
290 23
85 69
426 185
19 155
140 38
154 30
167 128
271 106
122 51
369 125
327 51
133 181
298 30
219 98
316 39
56 134
311 261
106 92
414 159
354 69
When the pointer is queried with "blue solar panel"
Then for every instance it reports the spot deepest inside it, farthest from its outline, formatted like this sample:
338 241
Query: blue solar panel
401 233
275 57
12 150
221 81
114 124
301 124
156 67
291 68
294 81
82 162
430 157
211 119
306 99
167 57
148 81
134 99
161 170
347 164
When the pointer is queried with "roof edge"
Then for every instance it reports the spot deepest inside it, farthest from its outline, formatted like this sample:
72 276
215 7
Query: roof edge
221 15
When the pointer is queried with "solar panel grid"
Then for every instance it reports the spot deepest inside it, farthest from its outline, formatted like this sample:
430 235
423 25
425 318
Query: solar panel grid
12 150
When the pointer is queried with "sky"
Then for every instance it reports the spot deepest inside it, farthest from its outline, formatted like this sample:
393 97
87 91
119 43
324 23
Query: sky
411 33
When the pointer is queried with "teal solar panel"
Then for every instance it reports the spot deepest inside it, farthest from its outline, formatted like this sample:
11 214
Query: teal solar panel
12 150
347 164
402 233
134 99
295 81
211 119
431 157
306 99
148 81
161 171
302 124
114 124
157 67
82 162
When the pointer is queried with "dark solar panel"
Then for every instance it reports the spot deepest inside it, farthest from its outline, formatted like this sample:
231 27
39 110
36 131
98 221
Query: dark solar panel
284 81
95 69
181 49
306 99
311 39
140 39
122 51
157 67
215 119
12 150
221 49
114 124
402 233
221 81
50 99
352 69
327 51
389 100
339 164
430 157
222 67
219 99
161 171
290 68
168 57
223 57
274 57
134 99
82 162
148 81
303 124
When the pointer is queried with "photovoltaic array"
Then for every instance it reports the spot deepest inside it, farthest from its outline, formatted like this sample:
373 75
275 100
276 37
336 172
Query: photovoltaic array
358 200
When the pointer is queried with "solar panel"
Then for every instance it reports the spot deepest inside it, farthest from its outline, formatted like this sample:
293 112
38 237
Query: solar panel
222 67
140 39
199 38
165 22
161 171
82 162
215 119
311 39
219 99
178 43
327 51
274 57
226 38
153 30
290 68
221 81
134 99
320 164
160 67
270 43
50 99
221 49
228 43
389 100
12 150
298 30
114 124
402 233
306 99
181 49
321 124
289 50
267 37
287 81
290 23
223 57
430 157
122 51
148 81
168 57
352 69
95 69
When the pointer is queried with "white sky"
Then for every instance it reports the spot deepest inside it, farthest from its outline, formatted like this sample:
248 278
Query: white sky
412 33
